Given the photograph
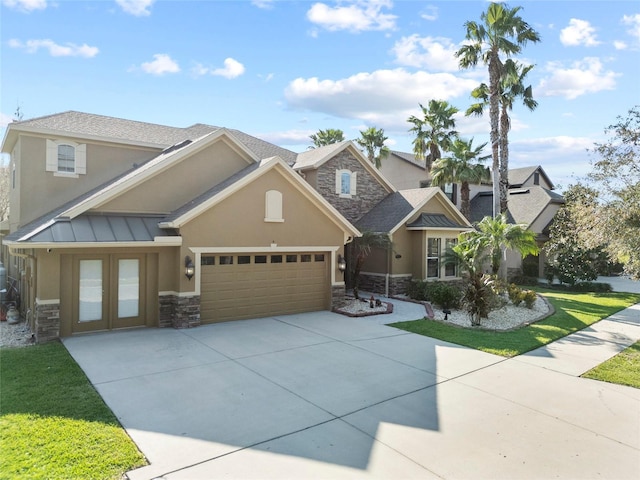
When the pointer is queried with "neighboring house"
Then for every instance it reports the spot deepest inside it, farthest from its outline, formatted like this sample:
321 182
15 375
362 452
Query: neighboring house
531 203
118 224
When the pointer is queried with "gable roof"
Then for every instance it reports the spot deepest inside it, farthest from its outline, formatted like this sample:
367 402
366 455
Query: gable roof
524 206
396 209
131 132
519 176
315 158
219 192
409 158
434 220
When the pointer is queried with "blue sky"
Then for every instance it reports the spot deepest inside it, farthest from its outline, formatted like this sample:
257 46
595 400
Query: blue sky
281 70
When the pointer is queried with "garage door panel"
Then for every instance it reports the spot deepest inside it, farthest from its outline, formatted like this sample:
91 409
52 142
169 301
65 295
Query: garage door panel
241 291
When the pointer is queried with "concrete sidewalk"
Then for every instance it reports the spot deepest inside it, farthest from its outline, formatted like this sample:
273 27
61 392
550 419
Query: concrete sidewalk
321 395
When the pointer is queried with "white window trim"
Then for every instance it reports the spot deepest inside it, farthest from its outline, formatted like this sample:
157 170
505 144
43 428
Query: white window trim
352 183
80 163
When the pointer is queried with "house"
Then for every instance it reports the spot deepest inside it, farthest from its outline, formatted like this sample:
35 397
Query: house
532 202
116 223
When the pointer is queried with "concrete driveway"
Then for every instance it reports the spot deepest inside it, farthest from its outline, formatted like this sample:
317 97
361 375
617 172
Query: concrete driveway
321 395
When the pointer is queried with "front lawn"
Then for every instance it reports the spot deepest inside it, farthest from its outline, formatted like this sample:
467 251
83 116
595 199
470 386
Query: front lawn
623 369
53 424
573 312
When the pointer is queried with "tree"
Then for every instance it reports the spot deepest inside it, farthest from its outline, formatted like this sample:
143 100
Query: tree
616 174
434 132
362 248
5 184
326 137
501 32
461 166
492 235
573 259
372 141
511 88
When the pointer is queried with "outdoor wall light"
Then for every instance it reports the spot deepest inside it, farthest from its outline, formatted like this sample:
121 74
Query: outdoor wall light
342 263
189 267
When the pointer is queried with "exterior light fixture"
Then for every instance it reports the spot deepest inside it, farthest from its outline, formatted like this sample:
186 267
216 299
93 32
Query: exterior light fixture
342 263
189 268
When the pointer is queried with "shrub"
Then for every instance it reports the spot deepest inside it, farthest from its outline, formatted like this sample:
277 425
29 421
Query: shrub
417 290
439 293
516 295
478 297
529 298
525 280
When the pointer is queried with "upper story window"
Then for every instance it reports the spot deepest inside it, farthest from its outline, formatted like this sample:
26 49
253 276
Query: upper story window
66 158
346 183
449 190
273 206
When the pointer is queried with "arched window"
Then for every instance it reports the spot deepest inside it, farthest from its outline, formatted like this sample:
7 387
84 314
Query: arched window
346 183
66 159
273 206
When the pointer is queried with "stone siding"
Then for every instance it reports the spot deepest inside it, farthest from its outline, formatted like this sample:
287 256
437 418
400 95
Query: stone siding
187 312
338 296
47 322
167 310
378 284
369 191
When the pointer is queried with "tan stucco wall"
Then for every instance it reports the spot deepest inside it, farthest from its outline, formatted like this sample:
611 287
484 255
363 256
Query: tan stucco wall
401 174
238 221
42 191
182 182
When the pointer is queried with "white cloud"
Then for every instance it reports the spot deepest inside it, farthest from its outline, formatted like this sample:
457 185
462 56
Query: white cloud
232 69
579 32
264 4
383 97
55 50
567 157
433 53
430 12
5 120
354 16
582 77
161 64
289 137
26 6
634 22
138 8
620 45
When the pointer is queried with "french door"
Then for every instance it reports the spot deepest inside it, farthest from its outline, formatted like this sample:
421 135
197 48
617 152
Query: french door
108 292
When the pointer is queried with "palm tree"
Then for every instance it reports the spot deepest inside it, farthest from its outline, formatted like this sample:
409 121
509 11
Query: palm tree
492 235
326 137
372 141
362 248
434 132
501 32
511 87
461 166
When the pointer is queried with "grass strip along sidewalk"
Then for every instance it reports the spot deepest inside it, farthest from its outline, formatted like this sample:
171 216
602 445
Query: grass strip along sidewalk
623 369
53 423
573 312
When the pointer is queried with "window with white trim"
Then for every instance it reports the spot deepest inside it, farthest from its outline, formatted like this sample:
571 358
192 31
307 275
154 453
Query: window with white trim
66 158
346 183
450 268
273 206
433 258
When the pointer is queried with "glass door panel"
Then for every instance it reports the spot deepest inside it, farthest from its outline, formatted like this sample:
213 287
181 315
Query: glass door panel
90 304
128 288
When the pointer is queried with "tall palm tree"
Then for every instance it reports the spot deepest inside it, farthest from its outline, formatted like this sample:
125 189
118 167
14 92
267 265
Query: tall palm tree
511 88
372 141
326 137
435 131
463 165
501 32
492 235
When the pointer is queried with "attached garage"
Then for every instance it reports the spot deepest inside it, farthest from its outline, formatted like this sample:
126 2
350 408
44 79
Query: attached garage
253 285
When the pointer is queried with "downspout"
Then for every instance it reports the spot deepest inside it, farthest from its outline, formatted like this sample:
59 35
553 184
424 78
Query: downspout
388 275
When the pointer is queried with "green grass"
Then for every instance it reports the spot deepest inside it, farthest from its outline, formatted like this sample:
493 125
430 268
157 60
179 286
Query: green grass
573 312
53 424
623 369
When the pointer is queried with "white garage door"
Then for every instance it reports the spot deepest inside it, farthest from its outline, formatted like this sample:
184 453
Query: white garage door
241 286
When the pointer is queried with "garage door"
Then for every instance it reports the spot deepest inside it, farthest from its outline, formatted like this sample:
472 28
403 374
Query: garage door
241 286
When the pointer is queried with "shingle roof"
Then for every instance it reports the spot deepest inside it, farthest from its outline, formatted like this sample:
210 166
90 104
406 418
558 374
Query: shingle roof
525 205
162 136
311 157
409 158
393 209
518 176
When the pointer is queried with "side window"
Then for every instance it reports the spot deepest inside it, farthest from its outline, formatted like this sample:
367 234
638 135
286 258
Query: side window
273 206
66 158
433 258
346 183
